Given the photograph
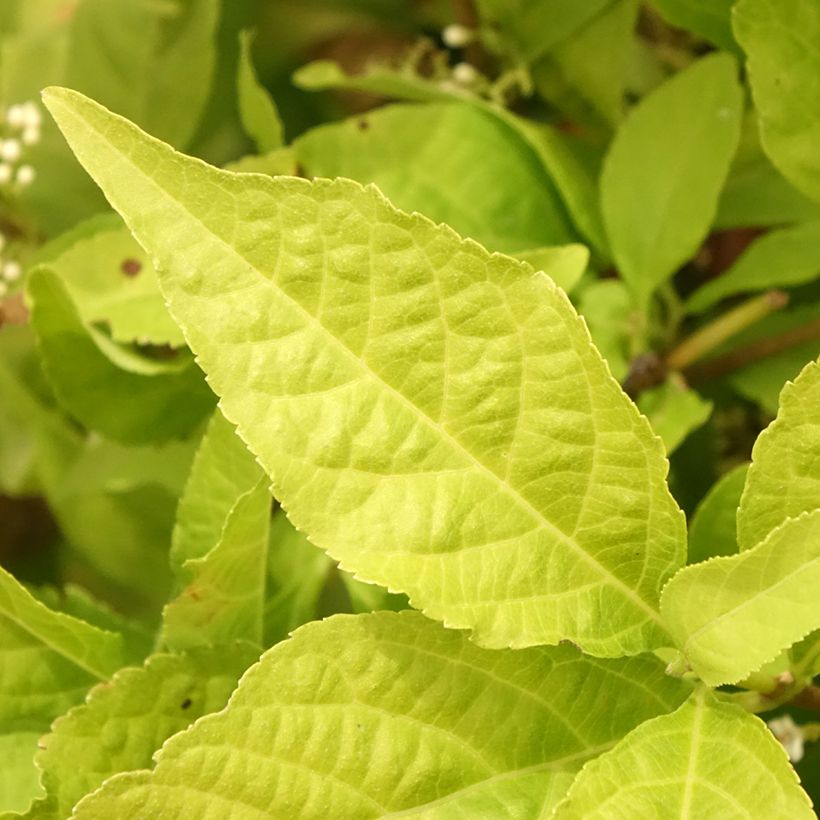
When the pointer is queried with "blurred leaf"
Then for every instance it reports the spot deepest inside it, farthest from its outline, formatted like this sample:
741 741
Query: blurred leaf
111 281
783 63
779 259
710 19
564 264
260 117
281 162
108 388
371 597
451 162
713 529
674 410
665 169
606 307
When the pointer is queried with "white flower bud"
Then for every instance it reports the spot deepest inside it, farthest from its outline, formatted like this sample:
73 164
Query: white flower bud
32 118
11 271
464 74
5 173
456 36
25 176
16 116
30 136
10 150
790 735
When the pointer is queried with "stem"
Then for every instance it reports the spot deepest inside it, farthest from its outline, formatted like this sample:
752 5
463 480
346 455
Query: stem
753 352
715 333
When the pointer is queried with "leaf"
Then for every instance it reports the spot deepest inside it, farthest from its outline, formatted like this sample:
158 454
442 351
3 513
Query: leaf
498 502
144 399
605 306
225 601
732 614
223 471
452 162
575 82
778 259
361 716
783 479
111 281
783 62
665 168
710 19
713 530
707 759
674 410
531 29
123 722
47 662
564 264
257 110
371 598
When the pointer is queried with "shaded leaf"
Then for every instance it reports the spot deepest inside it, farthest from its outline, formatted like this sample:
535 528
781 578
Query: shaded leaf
710 19
674 410
260 117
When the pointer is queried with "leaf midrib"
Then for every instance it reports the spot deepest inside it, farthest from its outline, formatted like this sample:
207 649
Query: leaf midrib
608 576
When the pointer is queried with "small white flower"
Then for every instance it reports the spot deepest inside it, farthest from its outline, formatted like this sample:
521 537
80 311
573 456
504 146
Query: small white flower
32 118
25 176
5 173
31 135
16 116
790 736
456 36
10 150
464 74
11 271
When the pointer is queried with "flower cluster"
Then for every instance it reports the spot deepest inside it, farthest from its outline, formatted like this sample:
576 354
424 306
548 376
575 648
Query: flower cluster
20 130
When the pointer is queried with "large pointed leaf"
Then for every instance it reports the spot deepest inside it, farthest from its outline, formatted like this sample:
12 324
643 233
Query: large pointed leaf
434 416
780 40
360 716
665 169
732 614
706 760
784 480
125 721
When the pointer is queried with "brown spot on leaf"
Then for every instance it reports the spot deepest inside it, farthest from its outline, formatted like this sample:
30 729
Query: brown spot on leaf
131 267
186 704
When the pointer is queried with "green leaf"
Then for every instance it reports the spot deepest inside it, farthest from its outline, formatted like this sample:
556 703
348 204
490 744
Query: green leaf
452 162
713 530
144 399
783 258
260 117
606 308
707 759
575 82
47 662
532 28
665 169
125 721
564 264
732 614
674 410
783 479
783 63
371 598
429 376
111 281
710 19
222 472
362 716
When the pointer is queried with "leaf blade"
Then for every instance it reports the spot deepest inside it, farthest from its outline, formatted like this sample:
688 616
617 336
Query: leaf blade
369 389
